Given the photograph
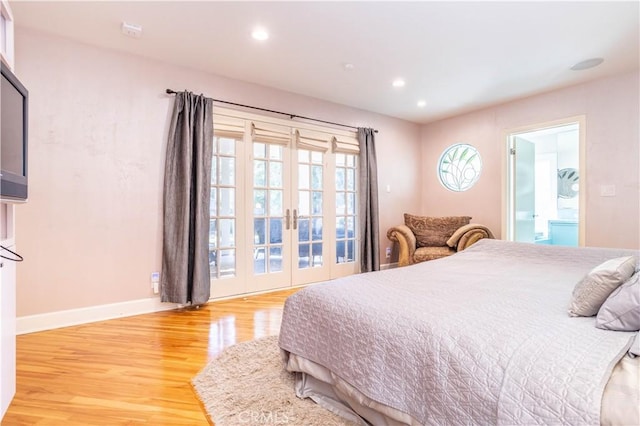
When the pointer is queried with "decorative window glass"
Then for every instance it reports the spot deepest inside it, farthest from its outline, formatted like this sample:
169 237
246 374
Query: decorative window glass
459 167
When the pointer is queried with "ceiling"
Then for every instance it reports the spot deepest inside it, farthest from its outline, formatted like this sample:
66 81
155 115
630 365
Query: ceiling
456 56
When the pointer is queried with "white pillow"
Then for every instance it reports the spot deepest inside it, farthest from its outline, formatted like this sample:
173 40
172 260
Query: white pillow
592 290
634 350
621 310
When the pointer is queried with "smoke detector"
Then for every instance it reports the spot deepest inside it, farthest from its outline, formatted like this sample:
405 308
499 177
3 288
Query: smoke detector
131 30
587 63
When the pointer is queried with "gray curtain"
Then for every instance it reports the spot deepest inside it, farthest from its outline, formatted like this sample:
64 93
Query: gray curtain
187 186
368 202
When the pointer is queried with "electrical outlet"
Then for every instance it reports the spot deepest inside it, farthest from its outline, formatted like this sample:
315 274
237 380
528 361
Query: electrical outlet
155 281
388 253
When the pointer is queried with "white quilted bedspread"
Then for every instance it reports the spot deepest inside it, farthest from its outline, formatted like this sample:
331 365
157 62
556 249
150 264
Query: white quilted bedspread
480 337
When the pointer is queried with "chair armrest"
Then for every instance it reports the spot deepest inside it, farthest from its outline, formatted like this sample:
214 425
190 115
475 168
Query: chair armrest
467 235
406 242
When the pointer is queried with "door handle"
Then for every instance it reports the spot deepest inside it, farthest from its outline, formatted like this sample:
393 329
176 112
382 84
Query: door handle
287 219
295 219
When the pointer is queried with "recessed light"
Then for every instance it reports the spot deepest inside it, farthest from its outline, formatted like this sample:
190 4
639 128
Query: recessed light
260 34
348 66
422 103
587 63
398 82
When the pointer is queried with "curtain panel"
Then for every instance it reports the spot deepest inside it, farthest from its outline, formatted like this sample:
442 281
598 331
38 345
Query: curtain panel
187 185
368 202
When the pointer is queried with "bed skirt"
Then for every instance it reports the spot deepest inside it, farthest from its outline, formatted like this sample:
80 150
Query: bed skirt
336 395
619 401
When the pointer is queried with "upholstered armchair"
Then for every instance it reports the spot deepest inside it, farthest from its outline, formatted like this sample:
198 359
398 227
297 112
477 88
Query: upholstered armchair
426 238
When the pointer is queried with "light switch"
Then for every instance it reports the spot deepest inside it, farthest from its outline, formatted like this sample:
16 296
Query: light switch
607 190
388 188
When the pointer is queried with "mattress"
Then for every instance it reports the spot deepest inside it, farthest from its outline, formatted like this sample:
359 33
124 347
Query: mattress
480 337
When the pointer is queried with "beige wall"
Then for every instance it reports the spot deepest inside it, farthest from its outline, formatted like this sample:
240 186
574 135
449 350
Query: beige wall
91 231
612 109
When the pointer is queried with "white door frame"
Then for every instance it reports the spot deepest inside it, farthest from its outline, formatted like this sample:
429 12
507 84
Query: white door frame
507 173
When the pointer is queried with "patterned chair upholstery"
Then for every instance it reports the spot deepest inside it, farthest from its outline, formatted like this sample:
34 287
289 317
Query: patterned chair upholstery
424 238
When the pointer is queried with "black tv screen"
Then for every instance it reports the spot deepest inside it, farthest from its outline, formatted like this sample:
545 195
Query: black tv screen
14 113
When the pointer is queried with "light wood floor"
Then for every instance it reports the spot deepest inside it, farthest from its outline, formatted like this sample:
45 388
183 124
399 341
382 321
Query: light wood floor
134 370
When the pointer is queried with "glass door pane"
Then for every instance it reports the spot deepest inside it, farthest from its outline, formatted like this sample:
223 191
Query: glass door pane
222 209
345 208
269 226
311 263
310 209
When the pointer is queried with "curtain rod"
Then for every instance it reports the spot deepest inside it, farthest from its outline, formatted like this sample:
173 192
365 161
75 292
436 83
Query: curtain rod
291 116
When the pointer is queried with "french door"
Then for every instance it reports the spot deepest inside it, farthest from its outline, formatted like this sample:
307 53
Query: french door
282 206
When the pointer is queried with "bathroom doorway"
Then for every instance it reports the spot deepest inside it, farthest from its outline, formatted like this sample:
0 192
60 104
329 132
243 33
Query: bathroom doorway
544 184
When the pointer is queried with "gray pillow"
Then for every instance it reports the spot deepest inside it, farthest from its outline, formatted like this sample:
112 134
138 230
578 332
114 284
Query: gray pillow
621 310
592 290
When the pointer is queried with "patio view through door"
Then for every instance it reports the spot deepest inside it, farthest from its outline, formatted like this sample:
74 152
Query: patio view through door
310 226
289 208
283 207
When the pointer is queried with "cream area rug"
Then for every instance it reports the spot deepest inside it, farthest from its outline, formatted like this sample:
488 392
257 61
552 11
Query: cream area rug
247 385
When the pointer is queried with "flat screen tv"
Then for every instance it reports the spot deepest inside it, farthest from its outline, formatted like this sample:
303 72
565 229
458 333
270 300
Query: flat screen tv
14 114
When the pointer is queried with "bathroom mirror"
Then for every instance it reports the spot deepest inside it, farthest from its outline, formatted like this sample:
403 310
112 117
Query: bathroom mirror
568 183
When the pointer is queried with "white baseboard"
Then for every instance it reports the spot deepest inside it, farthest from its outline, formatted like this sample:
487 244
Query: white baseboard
388 266
58 319
67 318
52 320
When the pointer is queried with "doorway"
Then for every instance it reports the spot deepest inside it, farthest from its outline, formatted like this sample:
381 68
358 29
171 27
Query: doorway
283 204
544 175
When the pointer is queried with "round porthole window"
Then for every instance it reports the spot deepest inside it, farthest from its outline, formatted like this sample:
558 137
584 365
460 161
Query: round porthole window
459 167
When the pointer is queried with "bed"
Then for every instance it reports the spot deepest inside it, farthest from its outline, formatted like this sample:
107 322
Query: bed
479 337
